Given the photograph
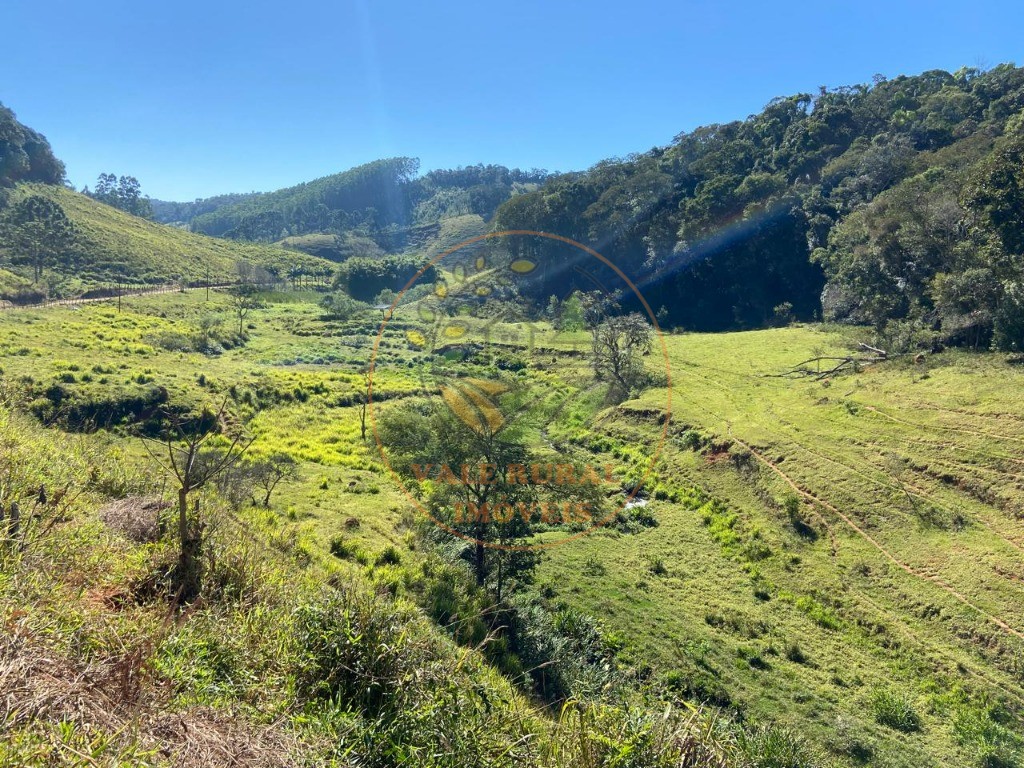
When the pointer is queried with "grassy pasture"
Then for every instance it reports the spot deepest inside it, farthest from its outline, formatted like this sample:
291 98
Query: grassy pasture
864 535
840 555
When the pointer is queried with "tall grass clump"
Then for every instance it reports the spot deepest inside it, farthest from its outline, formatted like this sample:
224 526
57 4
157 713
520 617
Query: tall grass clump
894 709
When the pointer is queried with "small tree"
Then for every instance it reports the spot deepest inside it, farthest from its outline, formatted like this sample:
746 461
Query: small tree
186 454
244 299
618 344
268 472
364 404
417 440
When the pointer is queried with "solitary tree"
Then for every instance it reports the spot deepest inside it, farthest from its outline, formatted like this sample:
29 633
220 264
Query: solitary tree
189 455
268 472
340 306
618 344
244 299
423 441
38 228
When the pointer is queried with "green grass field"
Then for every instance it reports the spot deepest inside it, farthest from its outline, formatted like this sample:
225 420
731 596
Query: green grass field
842 556
113 246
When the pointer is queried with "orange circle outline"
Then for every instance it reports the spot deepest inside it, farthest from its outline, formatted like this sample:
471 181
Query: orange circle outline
373 366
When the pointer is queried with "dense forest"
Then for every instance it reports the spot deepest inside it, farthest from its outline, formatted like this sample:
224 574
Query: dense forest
896 204
381 200
25 155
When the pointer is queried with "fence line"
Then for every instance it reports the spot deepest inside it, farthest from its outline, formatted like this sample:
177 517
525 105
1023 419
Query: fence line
113 293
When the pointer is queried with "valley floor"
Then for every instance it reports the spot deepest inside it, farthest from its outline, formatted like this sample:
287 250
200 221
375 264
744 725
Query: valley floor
840 555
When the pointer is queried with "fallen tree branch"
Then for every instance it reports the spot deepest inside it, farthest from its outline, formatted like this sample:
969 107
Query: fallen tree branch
841 363
868 348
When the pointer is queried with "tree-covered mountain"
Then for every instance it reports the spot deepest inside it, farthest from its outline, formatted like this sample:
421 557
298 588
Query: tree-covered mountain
381 200
25 155
181 214
901 199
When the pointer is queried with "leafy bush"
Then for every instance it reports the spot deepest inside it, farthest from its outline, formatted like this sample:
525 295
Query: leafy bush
342 549
357 651
341 306
656 565
795 654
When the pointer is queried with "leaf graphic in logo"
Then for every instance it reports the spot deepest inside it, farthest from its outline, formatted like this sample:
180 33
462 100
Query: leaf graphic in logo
522 266
416 338
490 387
470 400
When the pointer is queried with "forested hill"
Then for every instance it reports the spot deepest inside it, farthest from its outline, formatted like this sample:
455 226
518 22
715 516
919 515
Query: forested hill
25 155
902 199
380 199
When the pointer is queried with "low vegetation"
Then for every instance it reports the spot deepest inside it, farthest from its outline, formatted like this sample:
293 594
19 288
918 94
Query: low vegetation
333 624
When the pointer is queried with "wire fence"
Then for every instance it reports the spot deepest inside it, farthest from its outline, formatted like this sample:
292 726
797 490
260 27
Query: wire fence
114 293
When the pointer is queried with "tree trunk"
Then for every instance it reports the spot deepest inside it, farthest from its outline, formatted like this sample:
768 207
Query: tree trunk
501 576
478 564
188 572
182 521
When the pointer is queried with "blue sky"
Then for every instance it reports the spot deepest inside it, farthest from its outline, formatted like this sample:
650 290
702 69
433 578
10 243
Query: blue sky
198 98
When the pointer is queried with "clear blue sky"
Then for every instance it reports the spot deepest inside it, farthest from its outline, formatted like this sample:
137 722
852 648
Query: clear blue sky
197 98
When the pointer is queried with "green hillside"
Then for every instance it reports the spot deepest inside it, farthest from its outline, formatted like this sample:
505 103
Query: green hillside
330 630
828 549
507 521
901 198
384 200
109 245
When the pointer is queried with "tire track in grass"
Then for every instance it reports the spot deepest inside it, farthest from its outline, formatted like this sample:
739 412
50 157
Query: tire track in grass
969 468
885 552
833 543
888 555
914 491
944 447
919 493
907 631
917 425
966 412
